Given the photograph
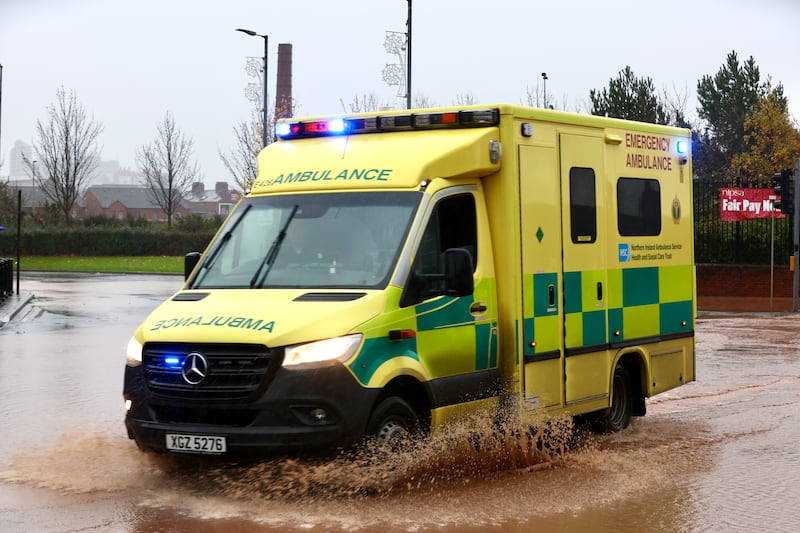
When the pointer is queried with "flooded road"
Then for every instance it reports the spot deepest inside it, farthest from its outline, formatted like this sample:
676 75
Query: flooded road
720 454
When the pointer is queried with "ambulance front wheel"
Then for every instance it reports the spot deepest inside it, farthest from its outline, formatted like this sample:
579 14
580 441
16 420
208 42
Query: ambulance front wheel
392 421
618 415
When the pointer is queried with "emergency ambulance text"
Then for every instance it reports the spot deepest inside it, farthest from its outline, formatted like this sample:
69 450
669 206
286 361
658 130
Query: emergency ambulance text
657 143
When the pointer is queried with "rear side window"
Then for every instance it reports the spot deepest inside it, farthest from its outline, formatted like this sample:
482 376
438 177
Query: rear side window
638 207
582 205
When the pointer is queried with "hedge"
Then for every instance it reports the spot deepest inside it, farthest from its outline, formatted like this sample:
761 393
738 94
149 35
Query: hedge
103 242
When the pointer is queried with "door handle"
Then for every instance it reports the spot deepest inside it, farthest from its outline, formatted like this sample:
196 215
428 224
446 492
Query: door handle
477 308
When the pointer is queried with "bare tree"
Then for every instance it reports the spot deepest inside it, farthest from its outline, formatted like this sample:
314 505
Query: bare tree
66 151
361 103
422 101
168 167
676 104
465 99
534 96
242 160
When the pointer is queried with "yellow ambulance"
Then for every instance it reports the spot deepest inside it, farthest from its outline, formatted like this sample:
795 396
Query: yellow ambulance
394 271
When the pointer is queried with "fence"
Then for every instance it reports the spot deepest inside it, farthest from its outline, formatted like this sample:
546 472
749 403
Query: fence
6 278
742 243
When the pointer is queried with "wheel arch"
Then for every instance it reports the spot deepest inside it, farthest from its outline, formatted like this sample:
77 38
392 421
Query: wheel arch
413 392
634 361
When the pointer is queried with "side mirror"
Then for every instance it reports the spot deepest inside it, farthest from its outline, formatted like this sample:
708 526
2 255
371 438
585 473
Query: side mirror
456 280
190 261
458 272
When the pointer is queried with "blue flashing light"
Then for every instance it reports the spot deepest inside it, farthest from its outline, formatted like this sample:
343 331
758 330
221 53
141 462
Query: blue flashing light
337 125
172 361
282 130
682 146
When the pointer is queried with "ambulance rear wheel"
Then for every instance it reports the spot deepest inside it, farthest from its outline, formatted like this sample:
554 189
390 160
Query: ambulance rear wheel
618 415
392 421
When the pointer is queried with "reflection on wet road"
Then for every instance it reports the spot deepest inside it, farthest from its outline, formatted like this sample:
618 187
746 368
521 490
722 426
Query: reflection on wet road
720 454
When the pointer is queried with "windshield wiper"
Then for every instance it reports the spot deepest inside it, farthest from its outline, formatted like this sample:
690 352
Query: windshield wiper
209 262
269 259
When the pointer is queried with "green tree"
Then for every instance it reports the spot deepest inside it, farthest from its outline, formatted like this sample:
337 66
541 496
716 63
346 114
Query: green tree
725 102
8 207
772 141
630 98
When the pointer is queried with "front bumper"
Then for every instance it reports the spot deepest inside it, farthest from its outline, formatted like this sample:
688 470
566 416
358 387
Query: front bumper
285 417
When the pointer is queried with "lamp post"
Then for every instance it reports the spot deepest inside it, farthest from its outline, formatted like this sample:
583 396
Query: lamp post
544 81
264 111
408 59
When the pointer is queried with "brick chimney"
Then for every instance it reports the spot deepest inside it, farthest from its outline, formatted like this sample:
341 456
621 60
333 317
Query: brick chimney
222 191
283 85
198 188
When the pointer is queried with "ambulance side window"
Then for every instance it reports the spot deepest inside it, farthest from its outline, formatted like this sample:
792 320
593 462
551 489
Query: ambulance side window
582 205
452 224
638 207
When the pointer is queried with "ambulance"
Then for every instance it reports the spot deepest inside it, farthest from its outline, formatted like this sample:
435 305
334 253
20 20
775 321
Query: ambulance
393 272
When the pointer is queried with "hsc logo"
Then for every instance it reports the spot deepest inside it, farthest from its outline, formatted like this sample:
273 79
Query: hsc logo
624 253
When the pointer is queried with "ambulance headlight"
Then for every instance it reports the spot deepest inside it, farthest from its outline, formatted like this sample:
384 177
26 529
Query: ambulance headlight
134 352
338 348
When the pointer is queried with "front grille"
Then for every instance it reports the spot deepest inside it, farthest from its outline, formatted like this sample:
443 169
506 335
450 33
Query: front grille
235 371
203 415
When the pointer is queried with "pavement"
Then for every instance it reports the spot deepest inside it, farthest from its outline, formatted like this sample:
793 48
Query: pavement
12 305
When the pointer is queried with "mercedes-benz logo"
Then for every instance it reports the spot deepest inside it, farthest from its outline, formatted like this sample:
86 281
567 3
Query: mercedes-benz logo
194 369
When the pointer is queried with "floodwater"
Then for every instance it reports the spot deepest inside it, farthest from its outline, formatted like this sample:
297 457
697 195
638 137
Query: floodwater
720 454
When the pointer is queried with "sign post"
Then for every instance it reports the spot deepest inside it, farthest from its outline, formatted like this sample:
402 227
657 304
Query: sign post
796 237
772 256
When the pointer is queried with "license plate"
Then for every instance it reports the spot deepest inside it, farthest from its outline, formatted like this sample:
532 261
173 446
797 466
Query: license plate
196 443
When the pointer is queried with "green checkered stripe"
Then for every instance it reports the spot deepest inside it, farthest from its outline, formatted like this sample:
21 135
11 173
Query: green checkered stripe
651 301
642 302
433 322
543 325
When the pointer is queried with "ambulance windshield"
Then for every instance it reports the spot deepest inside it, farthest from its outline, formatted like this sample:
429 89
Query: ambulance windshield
326 240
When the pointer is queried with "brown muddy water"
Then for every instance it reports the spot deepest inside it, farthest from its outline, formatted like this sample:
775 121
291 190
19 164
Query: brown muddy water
720 454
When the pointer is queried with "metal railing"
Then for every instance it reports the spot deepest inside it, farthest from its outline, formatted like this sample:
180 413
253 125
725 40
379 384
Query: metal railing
741 243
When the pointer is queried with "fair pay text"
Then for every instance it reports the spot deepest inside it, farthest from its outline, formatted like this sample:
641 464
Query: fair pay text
744 205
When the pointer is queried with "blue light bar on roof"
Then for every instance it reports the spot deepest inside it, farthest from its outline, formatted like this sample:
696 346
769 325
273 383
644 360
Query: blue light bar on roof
385 123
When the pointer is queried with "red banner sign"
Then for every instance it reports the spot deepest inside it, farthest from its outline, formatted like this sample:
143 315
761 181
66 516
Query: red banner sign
744 204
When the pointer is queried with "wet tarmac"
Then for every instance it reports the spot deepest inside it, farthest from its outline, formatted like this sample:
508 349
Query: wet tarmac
720 454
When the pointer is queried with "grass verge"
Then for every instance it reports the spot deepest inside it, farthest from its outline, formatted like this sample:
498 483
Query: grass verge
169 265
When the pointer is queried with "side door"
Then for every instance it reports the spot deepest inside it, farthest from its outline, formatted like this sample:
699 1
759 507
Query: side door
542 309
456 335
585 294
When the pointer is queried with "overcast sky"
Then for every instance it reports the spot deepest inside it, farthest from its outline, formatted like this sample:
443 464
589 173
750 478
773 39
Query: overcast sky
130 61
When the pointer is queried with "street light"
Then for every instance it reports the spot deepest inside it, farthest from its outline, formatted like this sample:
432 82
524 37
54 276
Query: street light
544 81
264 116
408 59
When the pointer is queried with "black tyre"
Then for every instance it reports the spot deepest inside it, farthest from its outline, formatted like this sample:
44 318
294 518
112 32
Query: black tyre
393 421
618 415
